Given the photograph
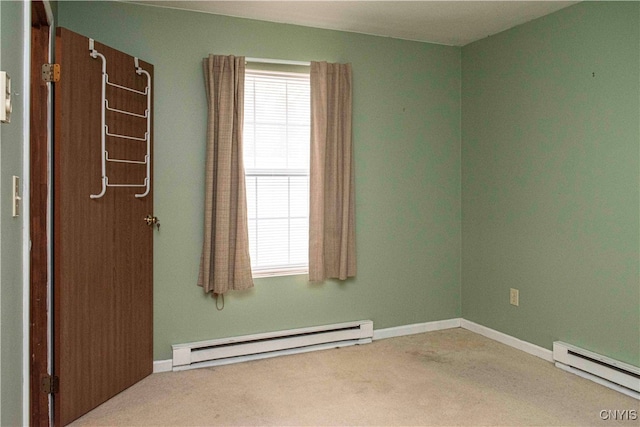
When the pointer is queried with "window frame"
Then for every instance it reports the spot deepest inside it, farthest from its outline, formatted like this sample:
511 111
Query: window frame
293 268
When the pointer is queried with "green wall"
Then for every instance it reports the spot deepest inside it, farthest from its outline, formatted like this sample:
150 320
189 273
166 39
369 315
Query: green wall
541 121
550 179
407 148
11 152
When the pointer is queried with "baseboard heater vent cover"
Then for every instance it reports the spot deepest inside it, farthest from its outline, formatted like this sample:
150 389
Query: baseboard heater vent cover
251 347
604 370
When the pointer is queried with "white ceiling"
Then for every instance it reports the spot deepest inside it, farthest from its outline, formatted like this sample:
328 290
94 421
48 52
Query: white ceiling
454 23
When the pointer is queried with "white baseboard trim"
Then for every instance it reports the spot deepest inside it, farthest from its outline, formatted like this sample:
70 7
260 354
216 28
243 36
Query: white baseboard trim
162 366
527 347
416 328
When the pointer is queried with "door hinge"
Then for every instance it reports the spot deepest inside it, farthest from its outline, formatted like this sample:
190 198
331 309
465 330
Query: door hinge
49 384
51 72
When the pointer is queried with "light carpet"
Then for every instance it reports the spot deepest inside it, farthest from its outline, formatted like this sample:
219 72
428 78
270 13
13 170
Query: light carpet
450 377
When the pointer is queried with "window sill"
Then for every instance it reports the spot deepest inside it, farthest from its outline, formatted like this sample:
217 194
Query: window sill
280 272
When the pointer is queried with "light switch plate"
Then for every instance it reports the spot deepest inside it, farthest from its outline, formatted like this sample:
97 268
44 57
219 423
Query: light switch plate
16 196
5 97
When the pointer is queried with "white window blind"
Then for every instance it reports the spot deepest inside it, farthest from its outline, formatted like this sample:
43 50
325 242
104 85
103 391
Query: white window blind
276 161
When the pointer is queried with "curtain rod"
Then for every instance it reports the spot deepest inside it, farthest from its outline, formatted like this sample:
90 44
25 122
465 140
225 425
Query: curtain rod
278 61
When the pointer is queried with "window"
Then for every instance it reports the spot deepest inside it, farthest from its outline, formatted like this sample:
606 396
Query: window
276 160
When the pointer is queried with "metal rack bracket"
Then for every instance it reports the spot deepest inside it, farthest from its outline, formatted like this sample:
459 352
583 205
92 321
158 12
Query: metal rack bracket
105 128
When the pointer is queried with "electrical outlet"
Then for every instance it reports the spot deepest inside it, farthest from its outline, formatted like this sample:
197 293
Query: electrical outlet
514 297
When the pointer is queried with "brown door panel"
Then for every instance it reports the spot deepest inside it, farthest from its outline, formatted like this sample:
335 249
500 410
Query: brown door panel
103 250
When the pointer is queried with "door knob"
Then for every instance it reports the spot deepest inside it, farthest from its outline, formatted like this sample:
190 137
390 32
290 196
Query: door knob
151 221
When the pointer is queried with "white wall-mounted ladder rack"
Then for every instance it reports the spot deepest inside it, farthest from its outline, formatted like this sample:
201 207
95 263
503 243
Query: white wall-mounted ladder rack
105 128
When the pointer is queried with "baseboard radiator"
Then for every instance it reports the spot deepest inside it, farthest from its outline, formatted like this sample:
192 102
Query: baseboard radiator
259 346
604 370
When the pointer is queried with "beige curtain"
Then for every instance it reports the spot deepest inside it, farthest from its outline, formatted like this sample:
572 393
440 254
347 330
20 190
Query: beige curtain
225 263
332 249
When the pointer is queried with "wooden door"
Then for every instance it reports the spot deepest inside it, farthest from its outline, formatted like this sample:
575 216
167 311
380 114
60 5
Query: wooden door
103 249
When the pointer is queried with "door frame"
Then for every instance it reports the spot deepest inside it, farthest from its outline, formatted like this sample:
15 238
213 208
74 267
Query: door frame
38 410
